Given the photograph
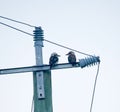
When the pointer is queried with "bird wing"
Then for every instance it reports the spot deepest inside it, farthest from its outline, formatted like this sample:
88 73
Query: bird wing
53 60
72 58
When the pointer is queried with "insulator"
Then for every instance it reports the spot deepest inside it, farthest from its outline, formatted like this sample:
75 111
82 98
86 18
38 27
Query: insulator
38 33
89 61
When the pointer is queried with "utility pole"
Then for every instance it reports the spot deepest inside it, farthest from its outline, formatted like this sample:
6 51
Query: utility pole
42 74
41 79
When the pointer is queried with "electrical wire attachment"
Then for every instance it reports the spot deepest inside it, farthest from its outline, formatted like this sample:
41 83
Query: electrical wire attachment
38 34
89 61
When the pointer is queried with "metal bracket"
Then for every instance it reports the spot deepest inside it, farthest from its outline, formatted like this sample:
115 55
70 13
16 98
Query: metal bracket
40 85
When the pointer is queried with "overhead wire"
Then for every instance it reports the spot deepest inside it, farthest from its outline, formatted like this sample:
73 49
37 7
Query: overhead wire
46 40
94 88
16 29
67 47
17 21
32 104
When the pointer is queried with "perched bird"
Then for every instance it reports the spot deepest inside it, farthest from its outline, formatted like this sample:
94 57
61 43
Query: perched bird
53 59
71 58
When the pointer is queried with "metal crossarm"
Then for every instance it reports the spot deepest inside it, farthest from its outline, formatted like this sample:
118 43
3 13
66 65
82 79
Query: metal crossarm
82 63
35 68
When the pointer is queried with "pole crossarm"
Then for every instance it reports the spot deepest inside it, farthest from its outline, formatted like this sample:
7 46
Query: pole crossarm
82 63
36 68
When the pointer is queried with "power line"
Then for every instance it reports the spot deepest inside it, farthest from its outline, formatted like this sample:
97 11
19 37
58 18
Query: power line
15 28
93 94
32 104
46 40
17 21
67 48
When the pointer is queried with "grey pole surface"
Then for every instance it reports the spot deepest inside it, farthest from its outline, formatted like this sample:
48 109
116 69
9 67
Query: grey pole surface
38 44
41 79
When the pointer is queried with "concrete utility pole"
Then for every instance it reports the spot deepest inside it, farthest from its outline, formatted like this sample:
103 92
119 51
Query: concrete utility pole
41 79
42 74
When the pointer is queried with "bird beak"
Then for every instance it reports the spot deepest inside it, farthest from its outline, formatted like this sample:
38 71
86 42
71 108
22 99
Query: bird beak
58 55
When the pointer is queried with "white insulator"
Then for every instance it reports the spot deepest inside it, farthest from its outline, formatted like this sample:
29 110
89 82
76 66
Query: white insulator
89 61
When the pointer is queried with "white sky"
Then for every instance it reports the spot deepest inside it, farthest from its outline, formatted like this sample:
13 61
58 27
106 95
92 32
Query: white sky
92 27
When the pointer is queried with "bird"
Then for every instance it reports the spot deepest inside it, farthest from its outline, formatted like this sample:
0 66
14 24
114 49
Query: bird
71 58
53 60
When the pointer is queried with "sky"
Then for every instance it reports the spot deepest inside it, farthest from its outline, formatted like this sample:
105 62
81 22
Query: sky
92 27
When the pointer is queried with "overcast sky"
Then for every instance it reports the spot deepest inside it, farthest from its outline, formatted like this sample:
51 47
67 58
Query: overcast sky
88 26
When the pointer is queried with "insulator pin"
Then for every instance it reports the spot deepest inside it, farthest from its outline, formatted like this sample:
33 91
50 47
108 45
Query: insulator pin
89 61
38 34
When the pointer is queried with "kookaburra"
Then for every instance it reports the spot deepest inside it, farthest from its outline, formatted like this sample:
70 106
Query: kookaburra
71 58
53 59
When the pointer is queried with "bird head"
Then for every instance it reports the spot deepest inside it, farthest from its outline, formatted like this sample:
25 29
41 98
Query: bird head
69 53
55 54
